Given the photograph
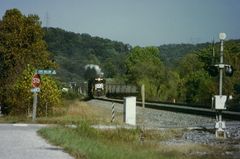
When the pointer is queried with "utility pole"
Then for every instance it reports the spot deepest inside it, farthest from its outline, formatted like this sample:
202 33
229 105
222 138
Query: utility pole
47 20
213 51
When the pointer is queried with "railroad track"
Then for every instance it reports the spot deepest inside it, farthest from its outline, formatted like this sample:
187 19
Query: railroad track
180 108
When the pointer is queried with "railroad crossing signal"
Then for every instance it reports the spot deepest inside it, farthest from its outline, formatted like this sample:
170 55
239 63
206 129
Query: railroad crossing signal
214 70
229 70
221 99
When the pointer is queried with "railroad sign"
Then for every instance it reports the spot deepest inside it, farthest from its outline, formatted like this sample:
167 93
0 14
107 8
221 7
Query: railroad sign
36 81
46 72
35 90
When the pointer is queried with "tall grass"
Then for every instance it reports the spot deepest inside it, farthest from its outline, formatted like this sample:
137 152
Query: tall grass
87 142
74 112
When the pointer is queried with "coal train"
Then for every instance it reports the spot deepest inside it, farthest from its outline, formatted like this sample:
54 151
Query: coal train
96 87
100 87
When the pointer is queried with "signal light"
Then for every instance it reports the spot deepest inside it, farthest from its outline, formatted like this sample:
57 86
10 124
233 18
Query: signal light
213 71
229 70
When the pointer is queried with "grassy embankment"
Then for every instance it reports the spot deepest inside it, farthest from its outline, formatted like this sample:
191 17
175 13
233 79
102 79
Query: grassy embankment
73 112
86 142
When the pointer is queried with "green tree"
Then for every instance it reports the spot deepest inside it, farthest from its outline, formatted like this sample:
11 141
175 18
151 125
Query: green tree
109 69
73 51
170 87
145 67
197 85
50 96
21 48
232 57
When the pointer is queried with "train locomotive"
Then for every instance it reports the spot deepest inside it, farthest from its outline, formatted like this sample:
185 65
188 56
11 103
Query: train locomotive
99 87
96 87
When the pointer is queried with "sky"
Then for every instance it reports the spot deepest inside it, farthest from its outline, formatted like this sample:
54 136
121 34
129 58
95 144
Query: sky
138 22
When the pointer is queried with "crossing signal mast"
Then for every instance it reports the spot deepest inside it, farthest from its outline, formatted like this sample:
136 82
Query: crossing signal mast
220 100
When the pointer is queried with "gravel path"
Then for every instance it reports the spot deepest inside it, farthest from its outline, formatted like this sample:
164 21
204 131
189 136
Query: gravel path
154 119
20 141
160 118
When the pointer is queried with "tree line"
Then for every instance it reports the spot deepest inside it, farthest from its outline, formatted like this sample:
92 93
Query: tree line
174 72
190 80
22 51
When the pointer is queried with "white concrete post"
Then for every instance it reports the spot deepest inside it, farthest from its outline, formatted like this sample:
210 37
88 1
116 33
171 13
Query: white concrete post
130 110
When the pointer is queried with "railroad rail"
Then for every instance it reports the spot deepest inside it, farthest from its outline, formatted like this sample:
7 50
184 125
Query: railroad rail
174 107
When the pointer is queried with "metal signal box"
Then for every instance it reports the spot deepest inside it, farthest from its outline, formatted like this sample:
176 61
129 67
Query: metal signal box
220 102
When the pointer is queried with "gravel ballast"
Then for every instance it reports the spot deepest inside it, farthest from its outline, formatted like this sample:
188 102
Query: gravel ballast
199 129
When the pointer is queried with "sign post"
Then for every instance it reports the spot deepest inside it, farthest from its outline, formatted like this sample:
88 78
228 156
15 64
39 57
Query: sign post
35 84
34 106
36 81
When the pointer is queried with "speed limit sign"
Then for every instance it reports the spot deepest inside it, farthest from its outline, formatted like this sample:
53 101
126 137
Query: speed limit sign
36 81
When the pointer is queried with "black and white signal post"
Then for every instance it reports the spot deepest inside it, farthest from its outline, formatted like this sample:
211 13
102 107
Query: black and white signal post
220 100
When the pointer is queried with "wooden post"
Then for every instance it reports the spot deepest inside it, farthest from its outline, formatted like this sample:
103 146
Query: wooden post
143 95
143 108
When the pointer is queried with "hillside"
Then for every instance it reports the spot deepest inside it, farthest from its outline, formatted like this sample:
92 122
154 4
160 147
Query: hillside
172 53
72 51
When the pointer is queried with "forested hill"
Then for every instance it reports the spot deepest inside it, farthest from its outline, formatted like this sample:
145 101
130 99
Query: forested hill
172 53
73 51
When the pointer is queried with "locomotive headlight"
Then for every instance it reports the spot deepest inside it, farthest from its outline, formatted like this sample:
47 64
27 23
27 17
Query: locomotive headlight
98 79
